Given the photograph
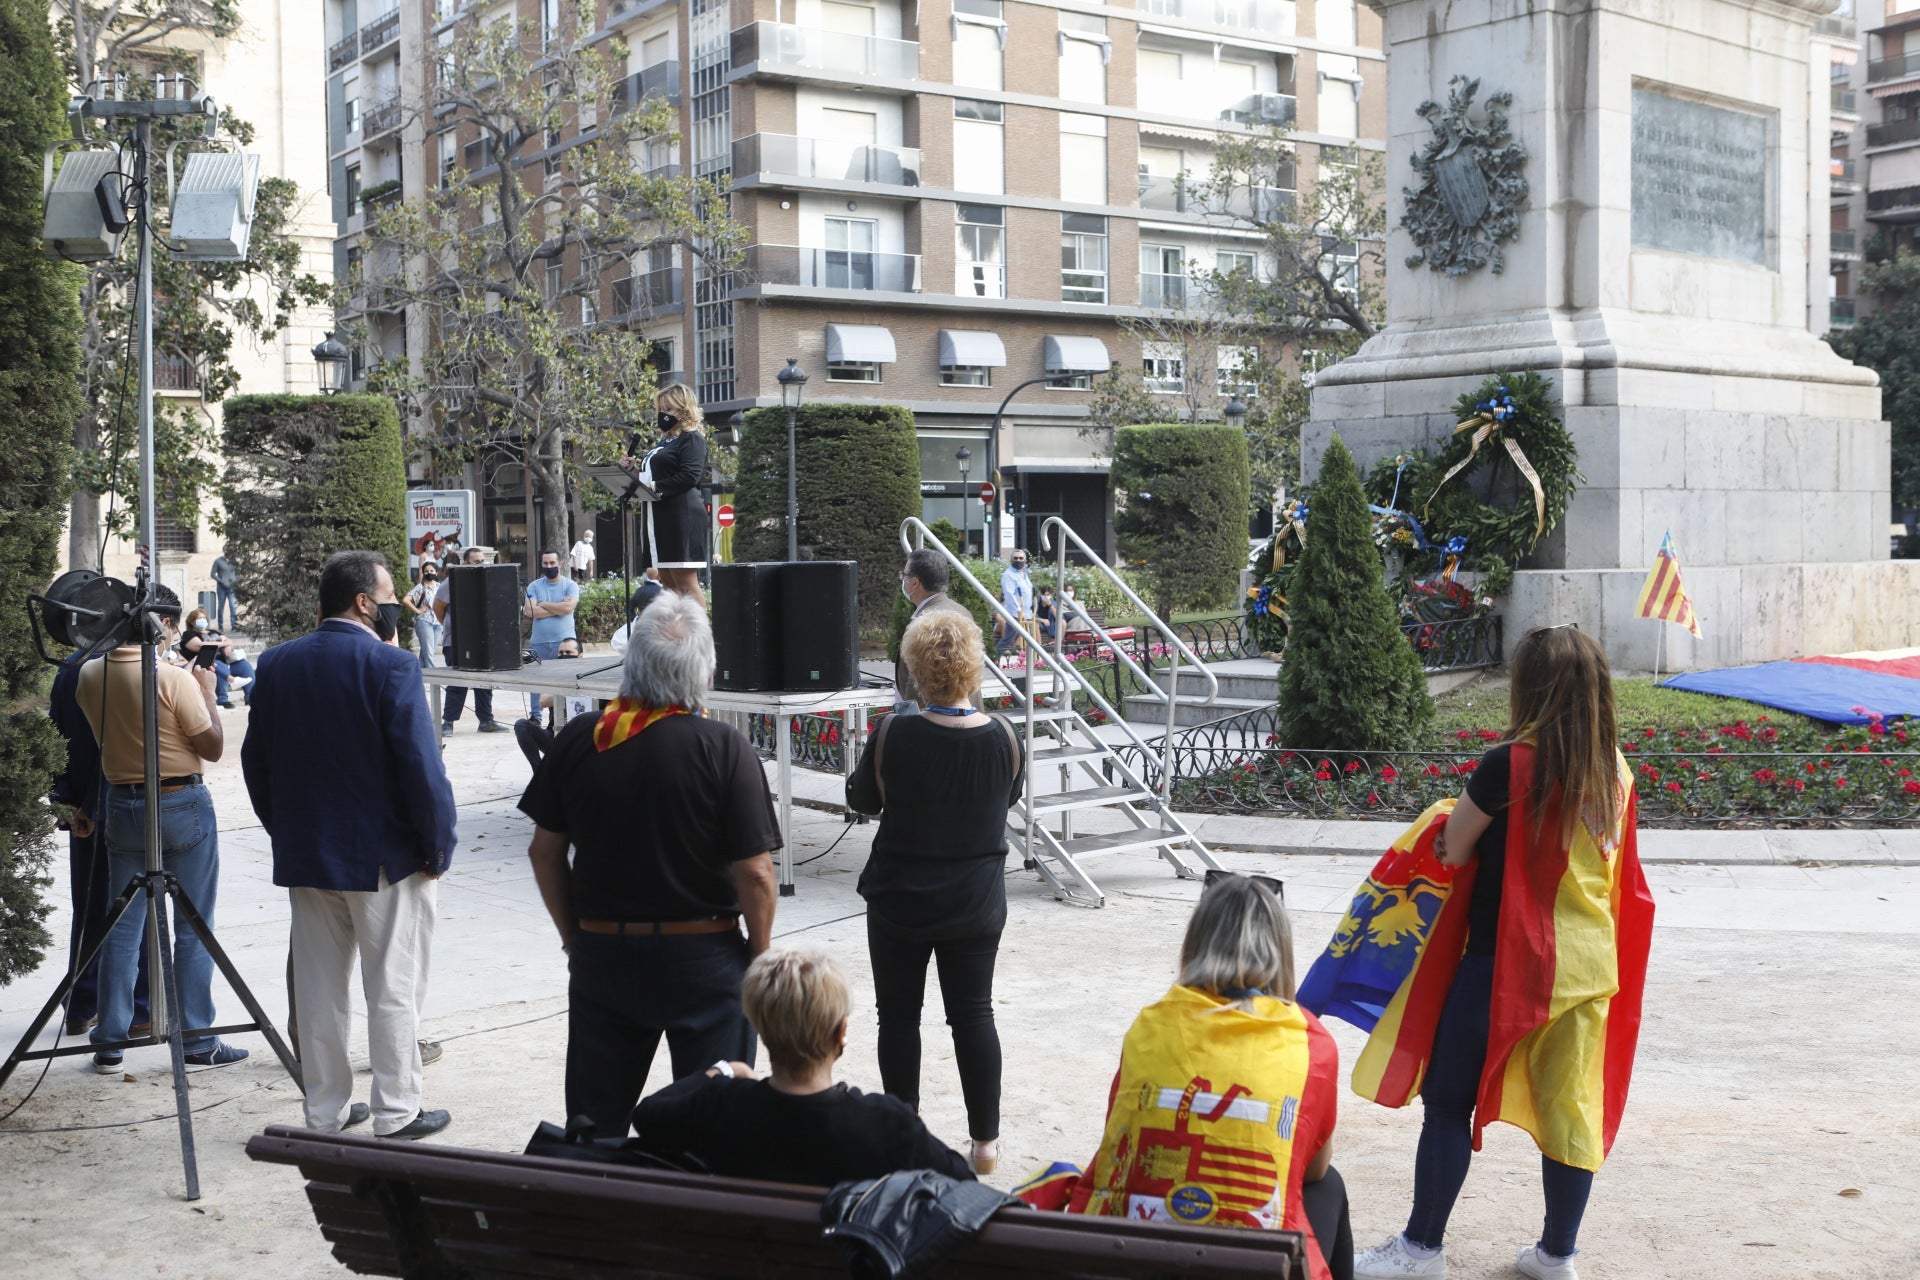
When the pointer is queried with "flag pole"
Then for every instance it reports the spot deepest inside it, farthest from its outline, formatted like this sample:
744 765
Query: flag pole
1659 645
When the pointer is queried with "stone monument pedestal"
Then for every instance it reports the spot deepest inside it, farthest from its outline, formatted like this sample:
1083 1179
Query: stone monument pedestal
1657 271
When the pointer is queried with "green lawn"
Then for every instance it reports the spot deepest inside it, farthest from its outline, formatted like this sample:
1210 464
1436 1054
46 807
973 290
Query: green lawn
1640 705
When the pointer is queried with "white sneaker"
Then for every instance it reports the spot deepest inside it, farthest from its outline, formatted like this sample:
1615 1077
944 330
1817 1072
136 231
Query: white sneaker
239 682
1392 1259
1534 1263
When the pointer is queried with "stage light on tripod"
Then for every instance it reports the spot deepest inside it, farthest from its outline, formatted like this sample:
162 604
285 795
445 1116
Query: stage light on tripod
213 206
86 610
79 199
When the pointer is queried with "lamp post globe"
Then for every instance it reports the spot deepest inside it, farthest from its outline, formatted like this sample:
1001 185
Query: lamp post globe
1236 412
793 381
330 357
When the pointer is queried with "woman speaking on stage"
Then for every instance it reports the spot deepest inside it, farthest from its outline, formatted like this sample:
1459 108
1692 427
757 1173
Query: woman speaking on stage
674 470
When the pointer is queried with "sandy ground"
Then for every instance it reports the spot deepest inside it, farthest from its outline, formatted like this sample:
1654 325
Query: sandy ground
1774 1128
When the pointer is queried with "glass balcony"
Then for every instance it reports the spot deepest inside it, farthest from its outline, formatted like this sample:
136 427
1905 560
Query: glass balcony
1256 204
1267 18
379 31
1897 200
1163 292
783 47
661 80
1841 27
1897 67
383 116
817 268
1168 194
1841 177
1844 99
1840 312
344 52
1893 131
779 154
648 292
1843 243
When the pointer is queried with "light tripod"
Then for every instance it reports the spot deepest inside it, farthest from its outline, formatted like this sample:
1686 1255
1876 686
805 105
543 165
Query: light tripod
138 613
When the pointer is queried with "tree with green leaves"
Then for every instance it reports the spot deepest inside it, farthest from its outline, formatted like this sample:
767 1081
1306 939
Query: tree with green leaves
1887 340
39 379
1349 681
1180 500
505 261
201 309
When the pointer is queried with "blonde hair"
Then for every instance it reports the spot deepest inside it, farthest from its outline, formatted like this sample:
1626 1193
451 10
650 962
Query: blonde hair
677 399
942 651
797 999
1239 938
1562 702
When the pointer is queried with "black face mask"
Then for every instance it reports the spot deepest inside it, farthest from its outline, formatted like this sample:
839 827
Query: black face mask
667 422
551 570
386 622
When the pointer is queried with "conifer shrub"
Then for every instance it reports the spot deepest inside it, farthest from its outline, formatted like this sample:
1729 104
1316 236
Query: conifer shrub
1181 511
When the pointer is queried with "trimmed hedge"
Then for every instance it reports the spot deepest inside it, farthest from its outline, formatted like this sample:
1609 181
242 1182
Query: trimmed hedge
1181 492
1349 681
39 401
308 476
859 477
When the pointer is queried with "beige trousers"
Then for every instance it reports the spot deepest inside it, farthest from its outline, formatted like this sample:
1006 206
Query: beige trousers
391 931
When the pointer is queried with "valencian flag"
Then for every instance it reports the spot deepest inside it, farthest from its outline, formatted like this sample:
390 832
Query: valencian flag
1569 970
1662 596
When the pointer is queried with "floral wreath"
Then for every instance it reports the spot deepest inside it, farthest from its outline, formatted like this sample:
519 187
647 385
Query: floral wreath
1273 565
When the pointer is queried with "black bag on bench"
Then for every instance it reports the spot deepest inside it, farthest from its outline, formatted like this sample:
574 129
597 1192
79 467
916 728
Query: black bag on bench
903 1225
577 1142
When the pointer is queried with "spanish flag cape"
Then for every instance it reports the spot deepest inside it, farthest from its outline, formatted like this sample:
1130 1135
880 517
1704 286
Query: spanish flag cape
1569 970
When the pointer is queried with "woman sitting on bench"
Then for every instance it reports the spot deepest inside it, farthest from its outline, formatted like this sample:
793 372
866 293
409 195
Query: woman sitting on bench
798 1127
1223 1108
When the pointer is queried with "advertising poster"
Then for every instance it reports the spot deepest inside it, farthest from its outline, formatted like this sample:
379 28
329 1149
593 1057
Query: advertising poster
438 521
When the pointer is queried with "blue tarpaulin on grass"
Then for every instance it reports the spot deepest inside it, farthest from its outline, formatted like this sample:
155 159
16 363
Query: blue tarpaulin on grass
1818 689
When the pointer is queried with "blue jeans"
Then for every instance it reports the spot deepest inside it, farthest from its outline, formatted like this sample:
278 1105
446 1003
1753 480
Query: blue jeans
546 651
190 848
454 699
223 673
1448 1093
427 632
226 609
87 877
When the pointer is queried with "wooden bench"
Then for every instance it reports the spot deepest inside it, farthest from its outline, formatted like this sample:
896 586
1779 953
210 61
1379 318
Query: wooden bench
430 1212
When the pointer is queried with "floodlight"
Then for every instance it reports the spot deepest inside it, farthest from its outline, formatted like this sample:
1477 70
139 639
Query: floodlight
75 226
213 206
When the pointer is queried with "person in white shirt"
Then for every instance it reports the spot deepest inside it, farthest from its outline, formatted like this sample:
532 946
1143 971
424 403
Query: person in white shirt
581 556
1016 596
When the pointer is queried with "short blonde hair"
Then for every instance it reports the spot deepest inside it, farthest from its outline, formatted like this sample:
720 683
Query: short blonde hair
678 399
797 999
942 650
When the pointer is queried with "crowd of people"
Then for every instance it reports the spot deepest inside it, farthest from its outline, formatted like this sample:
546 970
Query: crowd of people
1222 1108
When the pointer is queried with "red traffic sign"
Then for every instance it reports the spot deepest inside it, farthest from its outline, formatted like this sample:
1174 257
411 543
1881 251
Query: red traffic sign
986 492
724 516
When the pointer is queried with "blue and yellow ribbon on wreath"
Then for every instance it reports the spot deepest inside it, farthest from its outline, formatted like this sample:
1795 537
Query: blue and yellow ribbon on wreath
1490 420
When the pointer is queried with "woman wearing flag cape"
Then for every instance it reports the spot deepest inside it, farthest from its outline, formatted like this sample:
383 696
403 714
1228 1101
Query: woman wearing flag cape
1498 955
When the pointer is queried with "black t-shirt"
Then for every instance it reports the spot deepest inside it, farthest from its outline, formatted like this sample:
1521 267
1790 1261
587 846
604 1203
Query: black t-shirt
749 1129
1488 788
657 822
938 865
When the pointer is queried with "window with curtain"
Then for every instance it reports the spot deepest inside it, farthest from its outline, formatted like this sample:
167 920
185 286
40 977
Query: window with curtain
979 147
980 252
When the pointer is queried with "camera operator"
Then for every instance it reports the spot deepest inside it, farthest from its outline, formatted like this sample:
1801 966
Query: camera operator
189 732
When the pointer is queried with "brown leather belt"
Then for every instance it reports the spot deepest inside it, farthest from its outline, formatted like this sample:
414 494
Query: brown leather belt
661 928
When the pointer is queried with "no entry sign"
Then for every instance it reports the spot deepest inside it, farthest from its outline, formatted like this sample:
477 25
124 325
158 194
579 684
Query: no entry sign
724 516
986 492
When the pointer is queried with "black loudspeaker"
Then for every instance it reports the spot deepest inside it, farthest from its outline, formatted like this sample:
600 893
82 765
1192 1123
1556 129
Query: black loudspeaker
746 627
819 625
483 611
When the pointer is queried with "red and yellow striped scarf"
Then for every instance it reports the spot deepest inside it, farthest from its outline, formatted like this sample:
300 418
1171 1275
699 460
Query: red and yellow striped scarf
624 718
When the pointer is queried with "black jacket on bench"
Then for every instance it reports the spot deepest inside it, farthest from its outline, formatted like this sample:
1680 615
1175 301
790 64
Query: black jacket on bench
748 1129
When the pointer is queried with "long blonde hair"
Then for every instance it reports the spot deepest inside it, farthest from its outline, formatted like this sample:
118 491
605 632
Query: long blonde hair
1238 938
1562 702
677 399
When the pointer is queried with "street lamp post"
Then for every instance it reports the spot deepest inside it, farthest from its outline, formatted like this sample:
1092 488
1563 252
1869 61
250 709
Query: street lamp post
993 449
1235 413
964 456
330 356
793 381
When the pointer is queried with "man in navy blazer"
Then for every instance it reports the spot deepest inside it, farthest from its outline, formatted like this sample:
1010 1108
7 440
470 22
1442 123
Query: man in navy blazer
343 767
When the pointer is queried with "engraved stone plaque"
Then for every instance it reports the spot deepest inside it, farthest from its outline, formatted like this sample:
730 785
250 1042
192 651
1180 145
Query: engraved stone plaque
1702 180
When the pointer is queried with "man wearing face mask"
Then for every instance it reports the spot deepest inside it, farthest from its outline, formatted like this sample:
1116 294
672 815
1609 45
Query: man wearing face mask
359 844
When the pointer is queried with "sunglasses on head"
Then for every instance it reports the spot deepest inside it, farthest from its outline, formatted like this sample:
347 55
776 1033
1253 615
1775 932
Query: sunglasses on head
1216 877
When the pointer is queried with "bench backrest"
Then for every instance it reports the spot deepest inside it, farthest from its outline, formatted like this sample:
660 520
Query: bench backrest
436 1213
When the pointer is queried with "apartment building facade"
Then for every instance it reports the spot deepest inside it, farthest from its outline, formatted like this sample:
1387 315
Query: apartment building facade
1876 132
945 199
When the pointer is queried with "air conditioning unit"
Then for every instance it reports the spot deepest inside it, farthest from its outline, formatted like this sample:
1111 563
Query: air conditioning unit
1274 110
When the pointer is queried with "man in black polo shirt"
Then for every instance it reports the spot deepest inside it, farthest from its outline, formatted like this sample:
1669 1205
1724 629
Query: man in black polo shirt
673 834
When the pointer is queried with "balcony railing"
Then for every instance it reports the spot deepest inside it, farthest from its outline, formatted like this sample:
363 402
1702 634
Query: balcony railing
1163 291
343 52
1841 177
778 153
648 292
1893 199
1893 131
1838 26
1260 204
379 31
1843 243
175 373
1844 99
1898 67
661 80
1265 16
781 46
1840 311
383 116
817 268
1263 110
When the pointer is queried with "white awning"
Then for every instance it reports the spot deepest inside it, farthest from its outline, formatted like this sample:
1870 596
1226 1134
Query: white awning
859 344
971 349
1071 353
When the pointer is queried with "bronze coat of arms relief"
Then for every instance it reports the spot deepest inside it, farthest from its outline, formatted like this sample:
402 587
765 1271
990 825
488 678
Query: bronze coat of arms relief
1471 189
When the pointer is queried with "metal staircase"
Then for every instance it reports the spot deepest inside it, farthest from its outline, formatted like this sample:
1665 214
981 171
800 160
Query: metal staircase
1092 775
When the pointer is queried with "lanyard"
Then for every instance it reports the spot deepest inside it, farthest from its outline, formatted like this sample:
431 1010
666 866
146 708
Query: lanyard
949 711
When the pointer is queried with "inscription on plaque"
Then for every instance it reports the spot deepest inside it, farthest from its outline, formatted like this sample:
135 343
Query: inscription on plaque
1701 178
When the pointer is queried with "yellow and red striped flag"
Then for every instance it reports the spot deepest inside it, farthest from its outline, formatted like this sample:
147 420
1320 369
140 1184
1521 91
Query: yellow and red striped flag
1663 597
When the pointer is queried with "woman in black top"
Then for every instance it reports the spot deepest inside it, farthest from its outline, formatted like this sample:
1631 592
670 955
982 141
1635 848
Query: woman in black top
800 1126
677 518
942 782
